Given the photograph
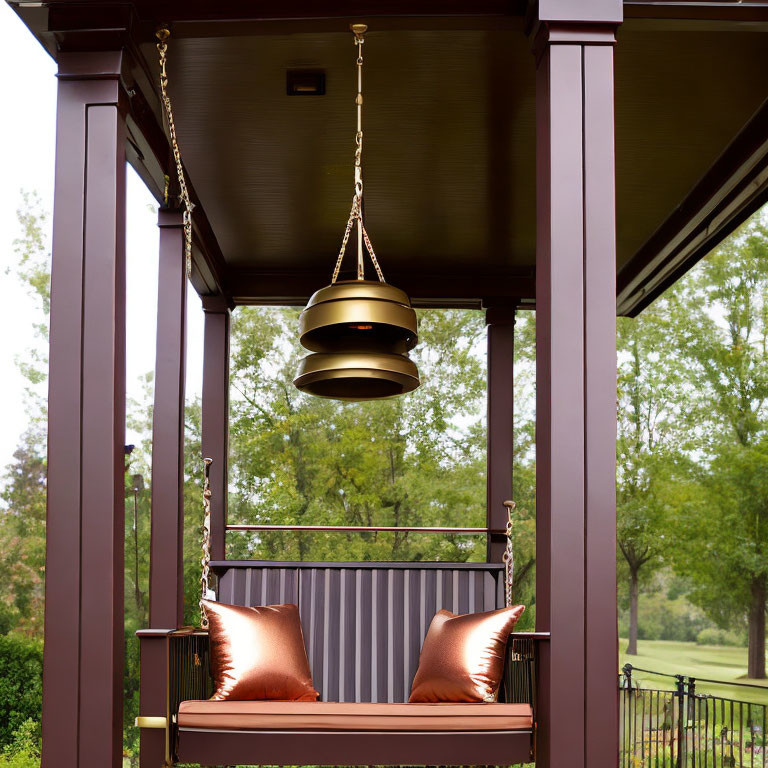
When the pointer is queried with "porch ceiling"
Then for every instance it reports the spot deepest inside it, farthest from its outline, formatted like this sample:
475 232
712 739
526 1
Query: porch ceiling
449 157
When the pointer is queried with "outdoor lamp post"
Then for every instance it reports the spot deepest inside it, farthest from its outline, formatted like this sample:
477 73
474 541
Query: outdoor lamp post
137 486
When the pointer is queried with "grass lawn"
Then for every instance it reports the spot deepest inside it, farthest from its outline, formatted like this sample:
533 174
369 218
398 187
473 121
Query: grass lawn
710 661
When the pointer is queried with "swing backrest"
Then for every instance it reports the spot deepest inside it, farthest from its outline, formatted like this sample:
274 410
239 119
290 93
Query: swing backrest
364 623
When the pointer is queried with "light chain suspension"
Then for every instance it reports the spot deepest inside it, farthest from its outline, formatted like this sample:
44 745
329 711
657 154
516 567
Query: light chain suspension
359 32
162 48
509 557
356 213
205 590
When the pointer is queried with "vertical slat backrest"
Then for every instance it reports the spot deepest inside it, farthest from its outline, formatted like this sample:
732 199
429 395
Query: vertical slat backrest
364 623
258 586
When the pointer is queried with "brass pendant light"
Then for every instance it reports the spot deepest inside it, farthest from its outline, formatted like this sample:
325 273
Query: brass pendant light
359 331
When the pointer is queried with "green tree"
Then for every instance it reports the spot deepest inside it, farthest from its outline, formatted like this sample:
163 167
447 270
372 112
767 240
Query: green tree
22 535
22 514
649 410
417 460
21 683
410 461
723 523
524 467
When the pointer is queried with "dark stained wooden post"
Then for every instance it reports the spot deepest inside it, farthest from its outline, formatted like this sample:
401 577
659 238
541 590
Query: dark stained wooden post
166 580
501 367
83 662
166 572
215 416
576 383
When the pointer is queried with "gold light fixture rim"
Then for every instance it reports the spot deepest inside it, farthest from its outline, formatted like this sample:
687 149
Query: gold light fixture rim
327 362
359 289
307 384
357 312
326 367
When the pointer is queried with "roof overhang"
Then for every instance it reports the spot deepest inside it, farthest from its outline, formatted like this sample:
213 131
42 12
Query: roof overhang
450 137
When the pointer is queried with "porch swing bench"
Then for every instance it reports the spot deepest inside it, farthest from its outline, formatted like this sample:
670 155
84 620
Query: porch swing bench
345 608
345 732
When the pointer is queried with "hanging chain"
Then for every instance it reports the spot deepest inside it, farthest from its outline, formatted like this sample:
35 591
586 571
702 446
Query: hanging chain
509 558
359 31
162 48
356 212
205 590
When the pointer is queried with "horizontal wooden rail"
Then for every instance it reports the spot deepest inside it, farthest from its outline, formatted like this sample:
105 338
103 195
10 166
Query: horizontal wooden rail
368 529
221 566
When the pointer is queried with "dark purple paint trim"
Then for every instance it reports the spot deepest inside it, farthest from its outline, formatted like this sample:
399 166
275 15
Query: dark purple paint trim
215 416
575 397
153 695
500 424
166 577
83 660
600 618
209 747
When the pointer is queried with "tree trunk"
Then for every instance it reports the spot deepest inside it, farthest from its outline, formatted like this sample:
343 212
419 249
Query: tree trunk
634 590
756 652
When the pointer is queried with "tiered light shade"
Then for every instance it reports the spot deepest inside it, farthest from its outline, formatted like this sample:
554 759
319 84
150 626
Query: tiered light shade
360 332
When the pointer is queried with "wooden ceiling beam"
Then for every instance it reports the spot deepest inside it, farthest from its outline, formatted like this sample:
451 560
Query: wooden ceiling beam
435 289
309 10
706 10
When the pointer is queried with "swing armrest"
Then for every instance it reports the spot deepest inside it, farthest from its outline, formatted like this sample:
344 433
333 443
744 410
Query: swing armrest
174 667
183 655
188 667
519 682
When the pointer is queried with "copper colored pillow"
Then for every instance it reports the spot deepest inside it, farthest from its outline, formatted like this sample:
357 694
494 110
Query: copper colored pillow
462 658
258 653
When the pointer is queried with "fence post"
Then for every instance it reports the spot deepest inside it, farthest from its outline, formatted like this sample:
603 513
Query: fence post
680 693
691 697
626 740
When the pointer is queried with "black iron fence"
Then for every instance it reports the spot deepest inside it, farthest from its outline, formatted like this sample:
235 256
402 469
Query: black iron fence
683 728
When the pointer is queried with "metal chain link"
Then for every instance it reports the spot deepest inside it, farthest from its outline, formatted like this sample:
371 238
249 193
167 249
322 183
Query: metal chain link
162 48
345 239
368 245
205 590
509 558
356 213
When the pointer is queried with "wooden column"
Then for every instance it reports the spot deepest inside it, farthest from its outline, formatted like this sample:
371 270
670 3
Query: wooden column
501 410
576 383
83 661
166 572
166 579
215 427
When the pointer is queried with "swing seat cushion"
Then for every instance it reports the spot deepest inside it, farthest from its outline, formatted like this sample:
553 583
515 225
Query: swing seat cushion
352 717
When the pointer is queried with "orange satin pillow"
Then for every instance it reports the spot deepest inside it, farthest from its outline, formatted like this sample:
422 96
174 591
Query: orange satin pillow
462 658
258 653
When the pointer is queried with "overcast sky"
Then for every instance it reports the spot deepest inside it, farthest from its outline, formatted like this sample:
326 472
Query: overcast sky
27 133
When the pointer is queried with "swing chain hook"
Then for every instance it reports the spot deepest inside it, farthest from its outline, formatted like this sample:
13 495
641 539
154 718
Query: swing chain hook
162 36
205 591
509 557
